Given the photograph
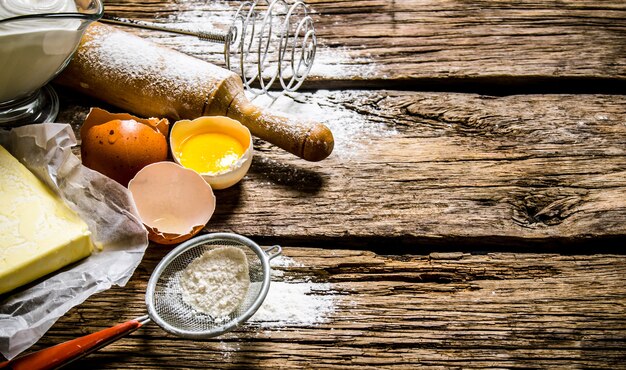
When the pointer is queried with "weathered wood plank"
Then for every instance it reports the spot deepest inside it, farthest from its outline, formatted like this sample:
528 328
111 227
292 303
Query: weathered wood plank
441 310
507 44
442 169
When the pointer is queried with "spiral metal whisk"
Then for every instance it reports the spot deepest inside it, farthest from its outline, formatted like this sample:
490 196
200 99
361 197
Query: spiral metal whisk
268 42
281 46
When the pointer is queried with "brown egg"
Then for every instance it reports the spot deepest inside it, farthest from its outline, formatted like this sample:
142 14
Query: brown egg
120 148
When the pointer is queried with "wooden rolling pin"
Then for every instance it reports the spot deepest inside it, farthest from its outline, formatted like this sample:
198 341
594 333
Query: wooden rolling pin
149 80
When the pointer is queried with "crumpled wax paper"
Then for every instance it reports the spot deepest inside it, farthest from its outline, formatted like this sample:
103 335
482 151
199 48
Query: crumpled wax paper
107 208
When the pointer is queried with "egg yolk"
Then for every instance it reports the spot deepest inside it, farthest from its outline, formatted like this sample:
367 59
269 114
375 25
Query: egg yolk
210 152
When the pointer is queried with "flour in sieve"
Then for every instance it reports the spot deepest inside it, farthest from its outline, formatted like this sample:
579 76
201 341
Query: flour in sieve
217 282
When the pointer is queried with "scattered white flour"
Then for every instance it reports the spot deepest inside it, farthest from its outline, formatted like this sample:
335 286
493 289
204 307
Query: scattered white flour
294 303
352 130
217 282
281 261
299 304
202 15
338 63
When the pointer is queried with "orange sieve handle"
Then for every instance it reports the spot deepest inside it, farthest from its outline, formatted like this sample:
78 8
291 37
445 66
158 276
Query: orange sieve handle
64 353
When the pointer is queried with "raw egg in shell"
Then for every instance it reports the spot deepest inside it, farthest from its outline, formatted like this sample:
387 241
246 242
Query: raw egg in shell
218 148
119 145
174 203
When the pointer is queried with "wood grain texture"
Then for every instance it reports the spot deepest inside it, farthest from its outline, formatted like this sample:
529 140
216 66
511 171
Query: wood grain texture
419 172
442 310
435 44
444 169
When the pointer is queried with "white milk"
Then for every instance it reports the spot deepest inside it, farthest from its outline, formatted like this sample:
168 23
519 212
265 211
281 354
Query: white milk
33 51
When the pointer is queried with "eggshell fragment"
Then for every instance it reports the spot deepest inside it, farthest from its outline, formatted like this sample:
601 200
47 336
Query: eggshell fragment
174 203
184 129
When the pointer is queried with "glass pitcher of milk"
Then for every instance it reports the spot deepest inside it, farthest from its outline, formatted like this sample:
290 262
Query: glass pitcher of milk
37 40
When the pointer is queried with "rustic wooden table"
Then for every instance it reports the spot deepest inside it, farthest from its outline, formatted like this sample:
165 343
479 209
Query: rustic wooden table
472 215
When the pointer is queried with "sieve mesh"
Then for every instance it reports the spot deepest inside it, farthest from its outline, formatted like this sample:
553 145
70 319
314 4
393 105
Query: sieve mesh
165 298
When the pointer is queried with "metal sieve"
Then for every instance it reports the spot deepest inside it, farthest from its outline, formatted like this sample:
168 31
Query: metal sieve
164 293
165 303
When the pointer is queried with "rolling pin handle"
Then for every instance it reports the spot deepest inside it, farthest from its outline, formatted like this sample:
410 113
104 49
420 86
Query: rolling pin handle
309 140
318 144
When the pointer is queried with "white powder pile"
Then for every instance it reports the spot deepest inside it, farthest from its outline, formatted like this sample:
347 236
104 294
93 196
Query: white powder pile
294 303
217 282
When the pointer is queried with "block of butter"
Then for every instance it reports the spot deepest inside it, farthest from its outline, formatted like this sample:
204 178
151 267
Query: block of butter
39 233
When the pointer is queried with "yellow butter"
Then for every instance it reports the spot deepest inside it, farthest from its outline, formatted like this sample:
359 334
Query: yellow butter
211 152
39 234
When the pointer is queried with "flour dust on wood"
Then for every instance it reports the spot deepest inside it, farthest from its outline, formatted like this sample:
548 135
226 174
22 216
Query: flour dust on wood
353 131
294 303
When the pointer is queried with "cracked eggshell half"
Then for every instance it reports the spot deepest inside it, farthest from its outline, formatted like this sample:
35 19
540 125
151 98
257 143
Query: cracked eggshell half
207 144
174 203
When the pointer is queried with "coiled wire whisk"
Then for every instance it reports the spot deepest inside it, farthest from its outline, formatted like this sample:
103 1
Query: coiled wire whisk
280 46
268 42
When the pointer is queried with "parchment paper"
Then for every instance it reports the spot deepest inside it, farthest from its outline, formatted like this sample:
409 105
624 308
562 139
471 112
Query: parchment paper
107 208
